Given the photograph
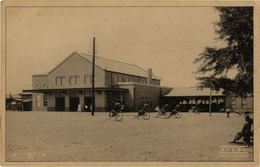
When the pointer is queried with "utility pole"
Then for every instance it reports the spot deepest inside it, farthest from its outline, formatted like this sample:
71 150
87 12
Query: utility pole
210 94
93 79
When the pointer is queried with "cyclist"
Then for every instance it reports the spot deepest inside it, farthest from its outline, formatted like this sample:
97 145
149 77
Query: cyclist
143 110
116 108
165 109
176 110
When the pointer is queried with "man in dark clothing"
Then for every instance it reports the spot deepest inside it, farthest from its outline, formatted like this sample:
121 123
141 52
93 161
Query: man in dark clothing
165 108
246 131
143 110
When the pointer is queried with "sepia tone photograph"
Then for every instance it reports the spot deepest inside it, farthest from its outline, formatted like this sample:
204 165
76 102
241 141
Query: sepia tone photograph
132 83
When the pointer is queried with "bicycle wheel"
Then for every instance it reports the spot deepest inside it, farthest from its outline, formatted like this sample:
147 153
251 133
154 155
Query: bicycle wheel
146 116
157 114
112 115
119 116
197 112
178 115
166 115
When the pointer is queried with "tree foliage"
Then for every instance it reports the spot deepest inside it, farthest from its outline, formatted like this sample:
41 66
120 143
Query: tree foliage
236 28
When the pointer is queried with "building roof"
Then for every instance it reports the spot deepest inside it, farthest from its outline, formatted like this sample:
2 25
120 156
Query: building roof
192 91
75 89
117 66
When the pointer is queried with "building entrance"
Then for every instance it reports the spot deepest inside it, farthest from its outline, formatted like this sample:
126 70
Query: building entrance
74 101
87 102
60 104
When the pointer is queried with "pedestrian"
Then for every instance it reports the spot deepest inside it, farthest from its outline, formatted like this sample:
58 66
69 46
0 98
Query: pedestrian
228 111
79 107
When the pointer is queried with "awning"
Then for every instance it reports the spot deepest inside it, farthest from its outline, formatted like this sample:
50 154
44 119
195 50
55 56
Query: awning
75 89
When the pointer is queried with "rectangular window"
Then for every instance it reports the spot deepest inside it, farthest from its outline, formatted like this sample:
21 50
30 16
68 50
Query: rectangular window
244 103
38 100
86 79
45 101
60 80
74 79
233 102
119 79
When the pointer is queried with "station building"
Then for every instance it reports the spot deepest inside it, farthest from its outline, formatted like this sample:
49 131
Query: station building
70 83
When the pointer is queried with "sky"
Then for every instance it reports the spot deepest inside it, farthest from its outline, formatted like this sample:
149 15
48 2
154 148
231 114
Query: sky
166 39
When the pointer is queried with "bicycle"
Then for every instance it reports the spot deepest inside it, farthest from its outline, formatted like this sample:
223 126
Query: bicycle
144 114
175 113
161 113
116 115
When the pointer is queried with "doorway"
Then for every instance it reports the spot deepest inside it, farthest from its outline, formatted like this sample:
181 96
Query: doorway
60 104
74 101
87 102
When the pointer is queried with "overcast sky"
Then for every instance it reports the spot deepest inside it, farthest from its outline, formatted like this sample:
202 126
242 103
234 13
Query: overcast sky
166 39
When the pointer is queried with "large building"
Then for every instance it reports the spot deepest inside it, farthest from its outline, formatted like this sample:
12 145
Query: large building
70 82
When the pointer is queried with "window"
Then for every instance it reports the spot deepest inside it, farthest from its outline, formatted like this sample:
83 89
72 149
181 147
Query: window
60 80
74 79
233 102
244 103
119 79
45 101
38 100
87 79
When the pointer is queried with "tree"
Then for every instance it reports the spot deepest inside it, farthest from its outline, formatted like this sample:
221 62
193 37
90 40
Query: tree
236 28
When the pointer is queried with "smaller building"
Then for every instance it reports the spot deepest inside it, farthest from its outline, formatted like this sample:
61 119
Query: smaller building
26 101
19 102
192 96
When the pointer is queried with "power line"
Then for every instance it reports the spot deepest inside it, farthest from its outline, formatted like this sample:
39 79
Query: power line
167 49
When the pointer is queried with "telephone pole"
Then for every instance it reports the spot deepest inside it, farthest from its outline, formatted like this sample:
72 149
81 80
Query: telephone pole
93 79
210 94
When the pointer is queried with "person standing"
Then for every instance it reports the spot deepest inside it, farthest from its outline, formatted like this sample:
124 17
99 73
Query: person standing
79 107
228 112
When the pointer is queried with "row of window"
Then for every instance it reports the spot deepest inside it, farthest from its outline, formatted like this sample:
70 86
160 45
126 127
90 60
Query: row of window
243 102
73 79
129 79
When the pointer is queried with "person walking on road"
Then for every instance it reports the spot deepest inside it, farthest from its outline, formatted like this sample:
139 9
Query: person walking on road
228 112
79 107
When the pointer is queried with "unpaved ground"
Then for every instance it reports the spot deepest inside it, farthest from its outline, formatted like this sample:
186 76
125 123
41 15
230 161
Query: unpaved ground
72 136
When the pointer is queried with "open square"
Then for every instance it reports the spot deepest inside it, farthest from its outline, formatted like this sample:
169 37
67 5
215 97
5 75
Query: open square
80 137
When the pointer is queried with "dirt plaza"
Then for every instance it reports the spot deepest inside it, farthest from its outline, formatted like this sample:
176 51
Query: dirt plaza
80 137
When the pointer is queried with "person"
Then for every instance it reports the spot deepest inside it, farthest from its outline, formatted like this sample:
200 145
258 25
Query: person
228 111
246 131
79 107
157 108
143 110
116 108
166 108
176 110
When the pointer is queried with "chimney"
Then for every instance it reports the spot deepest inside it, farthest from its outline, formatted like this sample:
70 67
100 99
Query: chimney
149 76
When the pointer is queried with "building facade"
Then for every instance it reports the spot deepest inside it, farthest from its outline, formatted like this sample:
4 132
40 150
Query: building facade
192 96
69 84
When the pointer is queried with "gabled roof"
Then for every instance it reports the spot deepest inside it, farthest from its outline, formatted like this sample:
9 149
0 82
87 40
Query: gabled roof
117 66
111 65
193 91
